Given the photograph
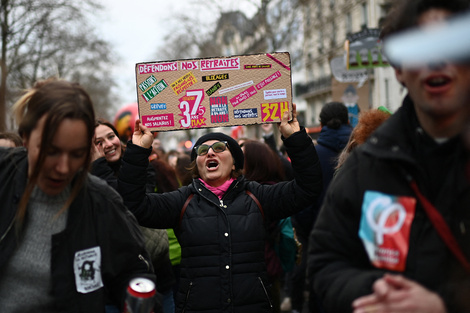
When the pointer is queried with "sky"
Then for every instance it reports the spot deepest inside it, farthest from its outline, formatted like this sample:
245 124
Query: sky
136 28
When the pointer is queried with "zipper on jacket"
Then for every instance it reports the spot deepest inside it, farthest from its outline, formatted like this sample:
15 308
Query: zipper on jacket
265 292
230 190
205 197
141 257
187 297
221 204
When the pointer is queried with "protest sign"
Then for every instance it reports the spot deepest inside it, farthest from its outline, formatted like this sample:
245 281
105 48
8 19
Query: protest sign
364 50
214 92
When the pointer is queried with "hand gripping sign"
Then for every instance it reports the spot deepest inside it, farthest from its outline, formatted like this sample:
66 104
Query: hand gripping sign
385 228
214 92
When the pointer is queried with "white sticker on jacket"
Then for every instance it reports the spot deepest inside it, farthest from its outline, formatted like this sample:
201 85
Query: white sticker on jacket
87 268
385 228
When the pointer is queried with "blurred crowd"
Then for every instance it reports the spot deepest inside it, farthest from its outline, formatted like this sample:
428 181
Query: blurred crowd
364 217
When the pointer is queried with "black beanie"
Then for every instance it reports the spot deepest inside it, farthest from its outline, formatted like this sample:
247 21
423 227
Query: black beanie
234 147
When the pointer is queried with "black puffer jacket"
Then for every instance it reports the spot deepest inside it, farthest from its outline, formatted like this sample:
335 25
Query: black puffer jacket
97 221
222 241
399 148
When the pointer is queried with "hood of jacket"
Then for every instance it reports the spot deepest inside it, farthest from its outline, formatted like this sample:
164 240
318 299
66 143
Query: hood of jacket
335 139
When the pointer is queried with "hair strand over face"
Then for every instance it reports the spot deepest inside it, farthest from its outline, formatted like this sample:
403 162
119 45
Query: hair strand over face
60 100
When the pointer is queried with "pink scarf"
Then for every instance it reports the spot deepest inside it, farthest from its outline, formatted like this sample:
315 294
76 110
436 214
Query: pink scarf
219 191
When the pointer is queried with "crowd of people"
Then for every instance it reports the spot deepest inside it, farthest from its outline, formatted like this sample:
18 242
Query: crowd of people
378 208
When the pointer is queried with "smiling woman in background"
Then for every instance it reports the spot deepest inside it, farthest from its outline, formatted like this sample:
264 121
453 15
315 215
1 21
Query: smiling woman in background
108 150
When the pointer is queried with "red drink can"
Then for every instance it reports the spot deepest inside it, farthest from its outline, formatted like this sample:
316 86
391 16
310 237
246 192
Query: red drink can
140 296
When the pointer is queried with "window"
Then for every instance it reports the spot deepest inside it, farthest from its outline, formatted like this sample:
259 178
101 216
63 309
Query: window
384 9
387 94
321 69
319 9
333 35
348 23
365 21
320 41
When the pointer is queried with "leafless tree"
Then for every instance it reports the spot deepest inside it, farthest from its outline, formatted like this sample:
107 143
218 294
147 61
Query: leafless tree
276 26
47 38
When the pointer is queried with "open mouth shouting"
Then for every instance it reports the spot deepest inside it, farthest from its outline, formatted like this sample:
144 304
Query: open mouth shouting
437 83
212 165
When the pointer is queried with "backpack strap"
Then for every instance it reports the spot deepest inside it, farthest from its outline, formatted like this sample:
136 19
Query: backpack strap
185 206
256 201
441 227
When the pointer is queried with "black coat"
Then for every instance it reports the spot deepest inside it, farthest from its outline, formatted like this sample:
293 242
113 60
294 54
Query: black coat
399 148
156 240
330 143
97 221
110 171
222 241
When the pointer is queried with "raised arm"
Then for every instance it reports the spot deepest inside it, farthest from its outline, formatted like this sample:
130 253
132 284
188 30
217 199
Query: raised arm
151 209
288 128
142 136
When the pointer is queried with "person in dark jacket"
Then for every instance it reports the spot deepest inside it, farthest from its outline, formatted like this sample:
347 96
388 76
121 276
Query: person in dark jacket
221 229
108 151
334 135
263 165
59 248
375 247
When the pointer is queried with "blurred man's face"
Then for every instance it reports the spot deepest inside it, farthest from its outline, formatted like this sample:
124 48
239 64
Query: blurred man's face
439 91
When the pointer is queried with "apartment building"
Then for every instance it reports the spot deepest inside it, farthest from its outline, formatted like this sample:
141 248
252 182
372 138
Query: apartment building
318 30
327 24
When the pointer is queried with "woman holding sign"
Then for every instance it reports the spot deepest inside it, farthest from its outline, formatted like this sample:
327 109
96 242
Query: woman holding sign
219 217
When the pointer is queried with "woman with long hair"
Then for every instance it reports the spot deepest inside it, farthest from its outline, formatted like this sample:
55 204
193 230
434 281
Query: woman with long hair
59 248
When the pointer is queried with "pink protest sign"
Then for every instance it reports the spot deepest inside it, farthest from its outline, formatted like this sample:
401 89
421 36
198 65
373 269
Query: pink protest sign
214 92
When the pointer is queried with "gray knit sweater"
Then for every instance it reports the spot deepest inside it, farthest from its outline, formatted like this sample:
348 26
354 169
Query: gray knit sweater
25 281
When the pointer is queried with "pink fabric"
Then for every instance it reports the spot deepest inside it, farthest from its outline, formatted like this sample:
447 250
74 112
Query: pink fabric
219 191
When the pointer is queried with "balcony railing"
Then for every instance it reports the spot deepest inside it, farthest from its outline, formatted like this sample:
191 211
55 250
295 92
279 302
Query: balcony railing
314 87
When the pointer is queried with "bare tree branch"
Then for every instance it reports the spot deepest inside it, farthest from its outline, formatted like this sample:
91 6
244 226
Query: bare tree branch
47 38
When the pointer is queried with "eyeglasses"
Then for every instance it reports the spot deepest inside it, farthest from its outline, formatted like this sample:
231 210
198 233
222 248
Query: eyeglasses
217 147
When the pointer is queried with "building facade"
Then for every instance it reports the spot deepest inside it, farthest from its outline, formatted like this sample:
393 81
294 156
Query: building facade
314 32
327 25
